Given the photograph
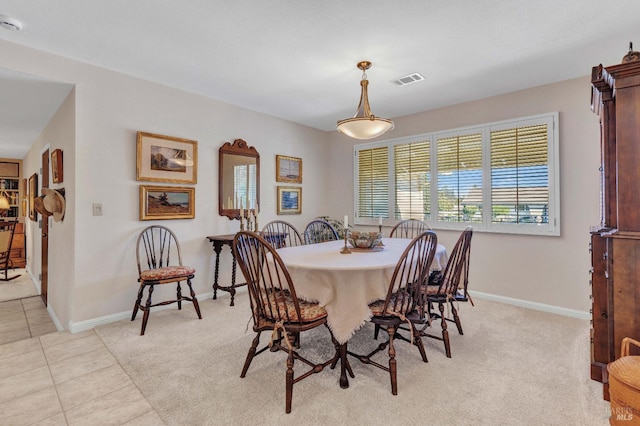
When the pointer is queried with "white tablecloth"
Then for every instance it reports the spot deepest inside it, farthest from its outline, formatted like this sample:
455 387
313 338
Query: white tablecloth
345 284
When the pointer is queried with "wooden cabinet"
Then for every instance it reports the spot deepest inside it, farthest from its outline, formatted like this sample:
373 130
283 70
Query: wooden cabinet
615 242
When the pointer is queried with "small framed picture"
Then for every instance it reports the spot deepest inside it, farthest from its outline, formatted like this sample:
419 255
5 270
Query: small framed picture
167 202
288 169
57 166
289 200
166 159
33 193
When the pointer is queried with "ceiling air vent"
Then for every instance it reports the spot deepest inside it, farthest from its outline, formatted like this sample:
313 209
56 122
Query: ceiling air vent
408 79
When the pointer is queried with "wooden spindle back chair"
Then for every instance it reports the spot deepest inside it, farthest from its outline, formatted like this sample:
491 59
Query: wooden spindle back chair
446 291
319 231
402 301
281 234
160 262
409 228
275 306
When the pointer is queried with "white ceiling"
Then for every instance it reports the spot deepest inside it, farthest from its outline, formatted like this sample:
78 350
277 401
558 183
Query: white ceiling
296 59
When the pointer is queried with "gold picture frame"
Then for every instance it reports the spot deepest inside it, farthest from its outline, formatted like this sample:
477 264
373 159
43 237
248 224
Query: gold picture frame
289 200
57 170
162 158
167 202
288 169
33 193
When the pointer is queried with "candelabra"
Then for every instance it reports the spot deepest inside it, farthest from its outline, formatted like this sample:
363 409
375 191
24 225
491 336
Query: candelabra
380 231
345 249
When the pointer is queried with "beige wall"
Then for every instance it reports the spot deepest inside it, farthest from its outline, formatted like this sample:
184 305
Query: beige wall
93 272
544 270
98 274
58 134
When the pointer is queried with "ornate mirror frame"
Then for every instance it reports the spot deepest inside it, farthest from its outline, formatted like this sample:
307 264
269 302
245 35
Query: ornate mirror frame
229 197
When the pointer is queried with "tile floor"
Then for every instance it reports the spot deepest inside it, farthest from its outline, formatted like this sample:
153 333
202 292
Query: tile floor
24 318
61 378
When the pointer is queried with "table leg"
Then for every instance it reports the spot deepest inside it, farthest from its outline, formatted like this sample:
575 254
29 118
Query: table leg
344 367
232 290
217 248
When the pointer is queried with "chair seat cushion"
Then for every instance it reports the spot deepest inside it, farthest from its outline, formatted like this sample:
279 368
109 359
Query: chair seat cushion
285 308
166 273
377 306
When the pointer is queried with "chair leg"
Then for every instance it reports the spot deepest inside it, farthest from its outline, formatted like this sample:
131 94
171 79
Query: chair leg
179 295
146 310
417 340
445 333
289 382
456 318
375 332
138 301
392 362
194 299
250 355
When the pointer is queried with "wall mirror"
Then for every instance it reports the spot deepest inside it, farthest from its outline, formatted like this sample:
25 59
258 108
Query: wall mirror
239 180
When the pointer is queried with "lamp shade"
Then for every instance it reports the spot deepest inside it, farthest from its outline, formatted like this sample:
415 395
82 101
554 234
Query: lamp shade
364 125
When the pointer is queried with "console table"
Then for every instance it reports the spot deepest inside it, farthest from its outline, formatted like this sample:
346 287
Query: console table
218 242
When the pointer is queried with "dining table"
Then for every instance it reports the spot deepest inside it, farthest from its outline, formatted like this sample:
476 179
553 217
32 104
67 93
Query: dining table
345 284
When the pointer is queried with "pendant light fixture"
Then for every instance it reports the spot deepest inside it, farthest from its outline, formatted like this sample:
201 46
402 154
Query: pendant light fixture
364 125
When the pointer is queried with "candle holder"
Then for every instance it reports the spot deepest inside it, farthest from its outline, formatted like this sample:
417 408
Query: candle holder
255 222
345 249
241 224
380 231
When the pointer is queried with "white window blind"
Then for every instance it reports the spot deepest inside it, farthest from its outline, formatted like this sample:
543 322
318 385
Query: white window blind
520 174
373 182
412 163
460 178
244 178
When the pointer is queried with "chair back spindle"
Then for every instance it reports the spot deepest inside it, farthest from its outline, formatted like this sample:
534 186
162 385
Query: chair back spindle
319 231
409 228
281 234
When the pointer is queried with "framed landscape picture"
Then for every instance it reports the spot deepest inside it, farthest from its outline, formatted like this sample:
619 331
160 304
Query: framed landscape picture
33 193
289 200
167 202
288 169
57 170
166 159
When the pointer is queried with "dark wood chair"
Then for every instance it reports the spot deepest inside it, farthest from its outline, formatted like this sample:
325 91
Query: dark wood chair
402 302
448 288
319 231
275 307
160 262
409 228
7 230
281 234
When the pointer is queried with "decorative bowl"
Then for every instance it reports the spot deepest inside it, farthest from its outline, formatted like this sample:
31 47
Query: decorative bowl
364 240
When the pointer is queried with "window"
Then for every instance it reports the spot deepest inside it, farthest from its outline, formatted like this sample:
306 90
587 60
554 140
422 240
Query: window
373 183
412 180
496 177
244 178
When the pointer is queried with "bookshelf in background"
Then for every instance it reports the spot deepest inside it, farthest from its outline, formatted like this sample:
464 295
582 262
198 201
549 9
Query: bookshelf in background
10 179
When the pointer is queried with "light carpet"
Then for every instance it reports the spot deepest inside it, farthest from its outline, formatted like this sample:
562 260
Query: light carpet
18 288
513 366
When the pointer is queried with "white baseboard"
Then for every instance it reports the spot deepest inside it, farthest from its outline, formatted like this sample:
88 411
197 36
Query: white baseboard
89 324
573 313
76 327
